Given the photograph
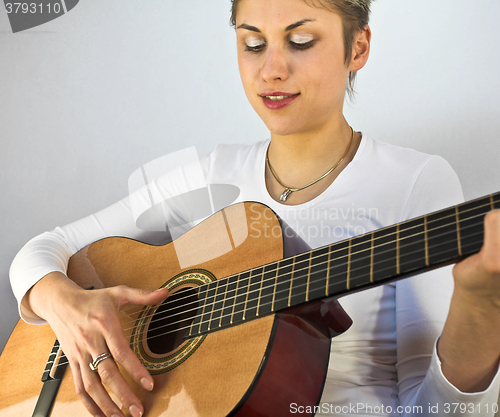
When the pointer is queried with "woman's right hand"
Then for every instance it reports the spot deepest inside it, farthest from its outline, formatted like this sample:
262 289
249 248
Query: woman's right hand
87 325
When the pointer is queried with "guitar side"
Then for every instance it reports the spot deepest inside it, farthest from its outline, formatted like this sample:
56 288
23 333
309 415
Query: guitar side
257 368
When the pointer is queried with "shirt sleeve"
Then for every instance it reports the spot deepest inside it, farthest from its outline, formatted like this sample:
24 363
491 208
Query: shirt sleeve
422 305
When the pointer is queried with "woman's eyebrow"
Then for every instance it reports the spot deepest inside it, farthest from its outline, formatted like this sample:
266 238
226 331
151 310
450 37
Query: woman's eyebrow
287 29
248 27
296 25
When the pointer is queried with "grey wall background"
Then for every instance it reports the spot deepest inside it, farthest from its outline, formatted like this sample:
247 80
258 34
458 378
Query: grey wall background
89 97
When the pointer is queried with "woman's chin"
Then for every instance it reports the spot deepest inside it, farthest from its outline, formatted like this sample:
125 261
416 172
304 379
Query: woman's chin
283 127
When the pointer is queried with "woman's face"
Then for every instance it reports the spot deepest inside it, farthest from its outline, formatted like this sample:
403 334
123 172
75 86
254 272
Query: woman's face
291 60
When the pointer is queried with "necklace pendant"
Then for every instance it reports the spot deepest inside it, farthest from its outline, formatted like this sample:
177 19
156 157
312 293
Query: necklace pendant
285 194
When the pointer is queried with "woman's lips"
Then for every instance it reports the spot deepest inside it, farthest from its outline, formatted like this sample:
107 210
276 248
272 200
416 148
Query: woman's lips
278 100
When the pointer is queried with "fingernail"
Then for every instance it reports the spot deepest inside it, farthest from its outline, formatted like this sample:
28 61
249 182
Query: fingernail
135 411
147 384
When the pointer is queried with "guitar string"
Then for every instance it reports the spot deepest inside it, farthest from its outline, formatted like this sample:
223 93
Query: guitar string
138 308
219 318
222 315
275 278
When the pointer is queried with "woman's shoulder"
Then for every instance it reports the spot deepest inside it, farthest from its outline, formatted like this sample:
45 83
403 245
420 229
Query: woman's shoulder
426 182
400 154
240 150
226 159
390 159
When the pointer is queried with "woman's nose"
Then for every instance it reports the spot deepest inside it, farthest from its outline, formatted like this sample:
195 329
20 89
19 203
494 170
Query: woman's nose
275 66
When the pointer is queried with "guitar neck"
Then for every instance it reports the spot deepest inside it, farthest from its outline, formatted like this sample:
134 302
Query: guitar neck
355 264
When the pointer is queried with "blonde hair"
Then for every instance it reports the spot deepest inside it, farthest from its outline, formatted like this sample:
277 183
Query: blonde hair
355 15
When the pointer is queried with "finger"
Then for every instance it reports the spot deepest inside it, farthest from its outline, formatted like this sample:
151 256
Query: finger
126 295
478 274
123 355
84 397
111 377
491 247
93 386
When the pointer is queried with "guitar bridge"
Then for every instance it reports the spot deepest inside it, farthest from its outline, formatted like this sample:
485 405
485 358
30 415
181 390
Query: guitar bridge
51 378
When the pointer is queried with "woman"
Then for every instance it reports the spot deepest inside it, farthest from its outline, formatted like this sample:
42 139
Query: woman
295 60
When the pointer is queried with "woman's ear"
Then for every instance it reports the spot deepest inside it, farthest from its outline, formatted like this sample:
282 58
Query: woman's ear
361 49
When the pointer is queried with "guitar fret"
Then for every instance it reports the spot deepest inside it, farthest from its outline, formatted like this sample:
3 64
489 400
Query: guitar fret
283 278
247 295
200 317
240 297
496 200
372 249
442 236
213 304
253 293
260 293
229 301
327 286
300 279
275 285
268 289
360 261
412 246
235 296
426 242
471 216
349 266
291 282
457 223
308 277
337 283
223 304
398 266
385 253
220 310
319 271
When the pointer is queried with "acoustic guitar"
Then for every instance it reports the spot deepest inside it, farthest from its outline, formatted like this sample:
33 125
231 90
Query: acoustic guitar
246 330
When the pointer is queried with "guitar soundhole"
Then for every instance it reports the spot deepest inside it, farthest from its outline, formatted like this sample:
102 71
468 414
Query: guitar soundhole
170 324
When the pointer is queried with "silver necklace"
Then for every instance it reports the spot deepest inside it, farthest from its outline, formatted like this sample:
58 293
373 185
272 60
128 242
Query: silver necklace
289 190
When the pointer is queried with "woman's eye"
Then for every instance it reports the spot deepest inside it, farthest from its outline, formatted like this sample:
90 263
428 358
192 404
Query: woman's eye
301 41
302 46
254 44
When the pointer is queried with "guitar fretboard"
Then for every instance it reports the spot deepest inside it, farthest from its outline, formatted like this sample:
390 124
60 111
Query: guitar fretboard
368 260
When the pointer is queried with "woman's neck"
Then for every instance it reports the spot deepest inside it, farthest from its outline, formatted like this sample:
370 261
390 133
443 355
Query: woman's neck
301 158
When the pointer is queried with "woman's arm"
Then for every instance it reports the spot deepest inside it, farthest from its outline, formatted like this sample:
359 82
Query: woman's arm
426 304
86 322
469 346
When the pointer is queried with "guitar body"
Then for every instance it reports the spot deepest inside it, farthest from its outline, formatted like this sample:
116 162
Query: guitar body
257 368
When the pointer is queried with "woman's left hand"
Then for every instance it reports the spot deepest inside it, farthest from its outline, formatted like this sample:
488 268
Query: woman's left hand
469 346
478 276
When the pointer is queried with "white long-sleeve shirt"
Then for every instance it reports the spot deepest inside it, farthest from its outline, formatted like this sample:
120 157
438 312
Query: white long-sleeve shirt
386 364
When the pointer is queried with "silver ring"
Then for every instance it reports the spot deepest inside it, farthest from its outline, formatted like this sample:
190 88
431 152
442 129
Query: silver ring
103 356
